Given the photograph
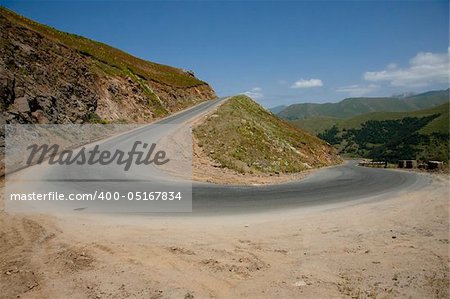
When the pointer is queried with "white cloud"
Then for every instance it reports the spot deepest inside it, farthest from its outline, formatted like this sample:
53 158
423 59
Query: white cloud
254 93
424 69
357 90
392 66
302 83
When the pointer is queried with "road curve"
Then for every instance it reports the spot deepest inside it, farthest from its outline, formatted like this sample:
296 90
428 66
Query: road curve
346 183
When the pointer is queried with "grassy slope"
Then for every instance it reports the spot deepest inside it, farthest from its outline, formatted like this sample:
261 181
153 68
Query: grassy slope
315 125
440 124
109 58
245 137
436 148
357 106
320 124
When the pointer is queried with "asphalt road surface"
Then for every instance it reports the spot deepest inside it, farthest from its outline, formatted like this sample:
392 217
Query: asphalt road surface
347 183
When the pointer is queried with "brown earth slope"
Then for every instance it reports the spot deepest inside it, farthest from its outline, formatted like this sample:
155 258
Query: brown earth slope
48 76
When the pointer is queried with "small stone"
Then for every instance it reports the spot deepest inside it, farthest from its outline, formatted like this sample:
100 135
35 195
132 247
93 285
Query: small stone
21 104
300 283
39 115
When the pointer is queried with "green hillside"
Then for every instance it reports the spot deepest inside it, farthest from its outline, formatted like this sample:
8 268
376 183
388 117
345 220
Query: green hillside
110 59
422 134
440 124
317 125
243 136
357 106
277 109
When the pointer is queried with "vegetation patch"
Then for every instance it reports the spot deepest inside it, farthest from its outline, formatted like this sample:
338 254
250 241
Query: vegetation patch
392 140
243 136
107 55
94 118
155 102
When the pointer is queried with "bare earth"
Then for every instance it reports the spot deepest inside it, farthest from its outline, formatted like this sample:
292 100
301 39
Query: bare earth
390 247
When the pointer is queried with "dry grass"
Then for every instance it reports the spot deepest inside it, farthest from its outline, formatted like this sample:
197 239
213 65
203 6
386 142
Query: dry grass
109 59
245 137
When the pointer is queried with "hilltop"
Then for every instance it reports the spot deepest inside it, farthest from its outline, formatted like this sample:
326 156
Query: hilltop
49 76
248 139
351 107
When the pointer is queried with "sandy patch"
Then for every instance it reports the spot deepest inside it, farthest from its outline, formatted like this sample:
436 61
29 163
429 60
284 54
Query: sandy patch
395 247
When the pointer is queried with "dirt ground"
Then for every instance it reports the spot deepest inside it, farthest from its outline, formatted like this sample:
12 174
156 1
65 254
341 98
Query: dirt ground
394 247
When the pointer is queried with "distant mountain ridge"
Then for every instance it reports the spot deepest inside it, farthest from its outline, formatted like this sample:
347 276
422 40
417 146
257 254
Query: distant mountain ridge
351 107
316 125
277 109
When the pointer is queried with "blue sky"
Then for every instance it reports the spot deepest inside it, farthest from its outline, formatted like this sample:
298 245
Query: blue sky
277 52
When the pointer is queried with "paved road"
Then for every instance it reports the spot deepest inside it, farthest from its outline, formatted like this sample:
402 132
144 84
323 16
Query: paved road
346 183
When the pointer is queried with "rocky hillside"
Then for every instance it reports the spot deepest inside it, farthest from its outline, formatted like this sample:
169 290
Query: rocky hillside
48 76
243 136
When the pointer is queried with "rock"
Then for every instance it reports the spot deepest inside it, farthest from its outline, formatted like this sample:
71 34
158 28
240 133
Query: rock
300 283
40 117
6 91
21 105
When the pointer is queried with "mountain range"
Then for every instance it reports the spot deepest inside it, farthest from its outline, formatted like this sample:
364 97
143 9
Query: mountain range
351 107
413 127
